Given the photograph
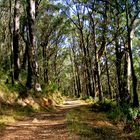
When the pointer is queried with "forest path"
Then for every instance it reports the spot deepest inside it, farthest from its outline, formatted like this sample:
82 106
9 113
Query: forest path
41 126
86 125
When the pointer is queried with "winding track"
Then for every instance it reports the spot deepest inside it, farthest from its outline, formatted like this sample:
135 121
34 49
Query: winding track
53 126
41 126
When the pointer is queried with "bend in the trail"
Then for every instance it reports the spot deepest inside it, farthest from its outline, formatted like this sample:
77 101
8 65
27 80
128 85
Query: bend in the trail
41 126
53 126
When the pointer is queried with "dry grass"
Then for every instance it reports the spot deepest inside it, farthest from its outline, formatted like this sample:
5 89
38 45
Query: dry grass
94 125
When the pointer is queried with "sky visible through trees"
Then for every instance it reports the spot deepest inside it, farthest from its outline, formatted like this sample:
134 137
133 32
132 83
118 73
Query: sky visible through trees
85 49
88 47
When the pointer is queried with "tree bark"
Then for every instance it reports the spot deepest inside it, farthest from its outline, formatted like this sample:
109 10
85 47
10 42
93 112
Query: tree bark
16 23
96 67
108 77
134 78
76 73
10 45
86 65
118 71
33 68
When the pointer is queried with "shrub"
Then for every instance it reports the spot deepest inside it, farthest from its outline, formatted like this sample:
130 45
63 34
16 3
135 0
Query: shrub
107 105
89 100
51 87
131 113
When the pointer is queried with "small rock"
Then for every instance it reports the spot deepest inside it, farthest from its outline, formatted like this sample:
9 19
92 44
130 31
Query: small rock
35 120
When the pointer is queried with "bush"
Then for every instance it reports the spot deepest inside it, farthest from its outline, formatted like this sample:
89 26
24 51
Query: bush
57 98
51 87
131 113
125 113
89 100
107 105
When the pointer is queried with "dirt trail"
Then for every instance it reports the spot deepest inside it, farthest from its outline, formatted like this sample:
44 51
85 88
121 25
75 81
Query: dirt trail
41 126
53 126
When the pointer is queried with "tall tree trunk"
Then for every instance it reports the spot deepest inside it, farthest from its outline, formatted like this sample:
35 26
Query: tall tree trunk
129 77
75 71
97 82
134 78
108 77
125 95
45 63
96 67
33 68
25 57
29 82
10 41
79 86
46 76
86 65
75 88
16 23
118 71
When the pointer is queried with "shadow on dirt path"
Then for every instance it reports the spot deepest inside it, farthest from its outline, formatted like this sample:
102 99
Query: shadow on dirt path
54 126
41 126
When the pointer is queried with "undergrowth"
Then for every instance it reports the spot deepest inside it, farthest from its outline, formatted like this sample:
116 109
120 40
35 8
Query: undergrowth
17 102
85 124
126 114
103 121
77 123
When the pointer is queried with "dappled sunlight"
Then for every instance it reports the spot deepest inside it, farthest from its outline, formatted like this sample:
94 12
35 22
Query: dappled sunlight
100 120
102 123
39 126
93 125
69 70
72 121
6 119
68 104
42 129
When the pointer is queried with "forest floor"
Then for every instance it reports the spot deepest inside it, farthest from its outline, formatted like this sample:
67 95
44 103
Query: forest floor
72 121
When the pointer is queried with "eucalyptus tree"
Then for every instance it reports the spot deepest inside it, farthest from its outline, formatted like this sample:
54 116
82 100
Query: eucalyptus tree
87 43
79 20
75 60
51 30
132 12
5 37
16 30
105 33
33 67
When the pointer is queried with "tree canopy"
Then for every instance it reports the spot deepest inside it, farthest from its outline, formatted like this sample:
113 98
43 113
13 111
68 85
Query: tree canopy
80 47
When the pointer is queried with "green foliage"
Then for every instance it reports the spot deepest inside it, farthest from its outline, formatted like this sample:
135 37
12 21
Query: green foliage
2 126
77 123
124 113
90 125
58 98
116 114
14 87
108 104
19 88
4 119
51 87
131 112
26 110
88 99
105 106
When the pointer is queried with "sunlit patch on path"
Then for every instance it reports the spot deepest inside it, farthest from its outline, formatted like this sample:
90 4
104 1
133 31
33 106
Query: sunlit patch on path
72 121
41 126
